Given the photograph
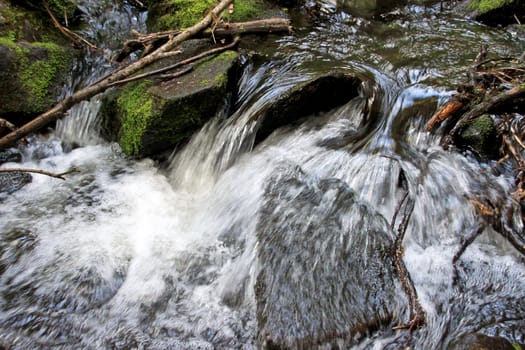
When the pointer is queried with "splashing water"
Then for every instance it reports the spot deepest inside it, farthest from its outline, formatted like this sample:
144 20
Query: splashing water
129 254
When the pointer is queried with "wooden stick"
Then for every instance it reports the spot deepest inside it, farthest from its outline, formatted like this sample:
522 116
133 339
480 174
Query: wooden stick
38 171
94 89
417 315
178 64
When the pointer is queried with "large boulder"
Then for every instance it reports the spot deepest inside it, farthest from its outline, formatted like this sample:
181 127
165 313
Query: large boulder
152 115
326 275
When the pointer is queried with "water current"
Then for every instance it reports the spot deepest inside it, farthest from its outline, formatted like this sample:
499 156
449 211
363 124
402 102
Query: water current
231 241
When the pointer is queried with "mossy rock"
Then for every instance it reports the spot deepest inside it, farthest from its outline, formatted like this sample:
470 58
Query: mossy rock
36 61
178 14
480 136
153 116
497 12
33 75
369 8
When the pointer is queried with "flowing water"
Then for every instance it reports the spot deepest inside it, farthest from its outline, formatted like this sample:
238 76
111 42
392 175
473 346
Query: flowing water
233 240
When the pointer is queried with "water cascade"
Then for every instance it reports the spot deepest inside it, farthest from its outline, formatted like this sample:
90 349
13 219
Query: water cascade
237 245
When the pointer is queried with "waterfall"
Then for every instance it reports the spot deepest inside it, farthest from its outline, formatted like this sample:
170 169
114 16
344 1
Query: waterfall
237 245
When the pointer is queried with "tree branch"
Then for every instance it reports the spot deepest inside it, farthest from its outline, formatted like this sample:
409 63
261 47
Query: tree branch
38 171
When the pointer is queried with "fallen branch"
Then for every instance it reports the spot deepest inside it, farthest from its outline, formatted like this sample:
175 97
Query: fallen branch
38 171
74 37
101 86
178 64
417 315
495 103
149 41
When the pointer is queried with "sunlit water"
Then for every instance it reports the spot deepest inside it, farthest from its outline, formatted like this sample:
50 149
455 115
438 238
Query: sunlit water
134 254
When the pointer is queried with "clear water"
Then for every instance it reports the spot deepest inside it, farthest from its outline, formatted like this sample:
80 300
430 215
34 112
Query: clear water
134 254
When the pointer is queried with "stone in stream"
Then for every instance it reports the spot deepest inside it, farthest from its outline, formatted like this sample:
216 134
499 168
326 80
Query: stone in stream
153 115
326 273
321 93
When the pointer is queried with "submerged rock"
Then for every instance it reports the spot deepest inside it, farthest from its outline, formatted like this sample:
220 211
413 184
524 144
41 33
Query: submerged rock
319 94
152 115
12 182
480 341
326 267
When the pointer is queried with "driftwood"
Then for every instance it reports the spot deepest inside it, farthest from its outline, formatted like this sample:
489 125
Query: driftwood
150 41
38 171
94 89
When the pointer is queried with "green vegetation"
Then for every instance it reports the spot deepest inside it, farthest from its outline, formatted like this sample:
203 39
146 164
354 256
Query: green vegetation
484 6
135 106
184 13
38 76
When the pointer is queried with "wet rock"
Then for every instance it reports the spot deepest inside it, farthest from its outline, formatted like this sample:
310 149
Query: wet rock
480 136
326 269
479 341
368 8
153 115
10 156
11 182
316 95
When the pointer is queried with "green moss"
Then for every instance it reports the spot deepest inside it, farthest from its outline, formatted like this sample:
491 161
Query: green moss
135 106
516 346
185 13
37 77
484 6
62 8
220 80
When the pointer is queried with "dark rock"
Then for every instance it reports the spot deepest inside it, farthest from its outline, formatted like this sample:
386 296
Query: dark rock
12 182
10 156
479 341
480 136
368 8
317 95
326 263
153 115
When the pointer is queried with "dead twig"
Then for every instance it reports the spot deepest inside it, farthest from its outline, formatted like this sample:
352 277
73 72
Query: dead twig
38 171
74 37
417 315
178 64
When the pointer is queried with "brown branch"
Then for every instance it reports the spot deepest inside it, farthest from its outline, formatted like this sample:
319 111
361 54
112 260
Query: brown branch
61 28
491 104
38 171
417 315
94 89
178 64
219 30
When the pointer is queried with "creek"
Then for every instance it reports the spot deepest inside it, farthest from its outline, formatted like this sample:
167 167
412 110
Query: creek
231 241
